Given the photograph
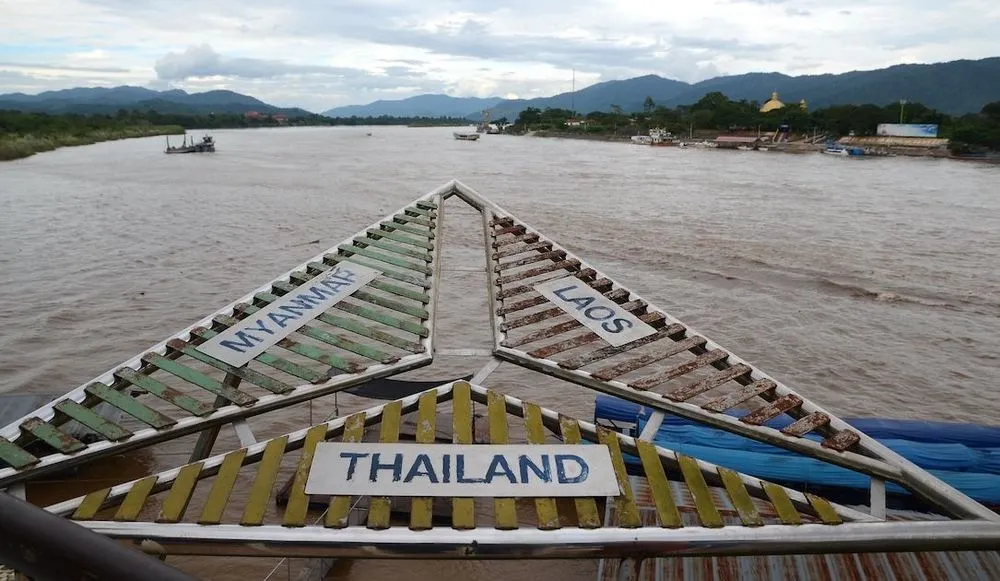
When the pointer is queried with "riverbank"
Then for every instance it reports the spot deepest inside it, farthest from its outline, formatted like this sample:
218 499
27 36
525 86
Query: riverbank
20 146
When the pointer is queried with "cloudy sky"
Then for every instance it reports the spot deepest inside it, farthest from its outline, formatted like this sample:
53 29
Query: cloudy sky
320 53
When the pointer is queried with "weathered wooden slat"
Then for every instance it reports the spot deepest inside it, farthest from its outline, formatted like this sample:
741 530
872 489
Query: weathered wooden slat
422 508
222 487
610 351
394 248
532 318
548 512
561 328
298 500
463 510
512 291
263 484
551 255
386 271
743 394
654 319
417 211
91 504
164 392
413 220
527 238
806 424
842 440
504 509
51 435
86 416
603 285
200 379
397 290
426 204
391 235
387 320
15 456
628 513
297 279
824 510
386 258
244 373
513 229
379 507
408 229
709 383
587 515
662 351
135 499
177 500
368 297
521 305
501 221
659 486
772 410
703 503
503 251
740 498
339 510
787 512
568 265
324 357
269 359
139 411
698 362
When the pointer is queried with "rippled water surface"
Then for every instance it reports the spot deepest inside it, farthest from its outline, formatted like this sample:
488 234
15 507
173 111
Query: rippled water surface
872 286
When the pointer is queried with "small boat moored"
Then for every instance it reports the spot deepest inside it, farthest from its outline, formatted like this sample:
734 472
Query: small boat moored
466 135
206 145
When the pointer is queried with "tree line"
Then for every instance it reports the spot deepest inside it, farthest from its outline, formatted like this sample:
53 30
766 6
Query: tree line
716 112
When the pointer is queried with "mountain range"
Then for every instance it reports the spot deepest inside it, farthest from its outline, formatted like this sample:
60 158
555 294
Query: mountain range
101 100
954 87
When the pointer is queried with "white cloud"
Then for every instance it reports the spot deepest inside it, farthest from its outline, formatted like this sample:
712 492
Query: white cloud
321 53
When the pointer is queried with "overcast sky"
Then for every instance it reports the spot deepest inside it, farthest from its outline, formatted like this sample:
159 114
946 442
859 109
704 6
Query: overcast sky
320 53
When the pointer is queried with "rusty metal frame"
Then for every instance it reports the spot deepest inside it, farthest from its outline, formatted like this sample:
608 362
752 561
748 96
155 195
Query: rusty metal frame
229 413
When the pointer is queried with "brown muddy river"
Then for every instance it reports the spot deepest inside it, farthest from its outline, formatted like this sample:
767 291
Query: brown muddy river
872 286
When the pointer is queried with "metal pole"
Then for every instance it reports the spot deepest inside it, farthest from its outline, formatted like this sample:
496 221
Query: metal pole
44 546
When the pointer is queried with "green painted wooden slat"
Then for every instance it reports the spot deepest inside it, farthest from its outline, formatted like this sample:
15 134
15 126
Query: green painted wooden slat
395 248
824 510
135 499
379 507
298 501
422 508
218 496
269 359
398 237
740 498
586 508
86 416
426 204
408 229
336 340
707 511
418 211
381 267
164 392
388 320
545 508
317 354
52 436
413 220
263 484
139 411
504 509
14 455
339 509
386 258
200 379
177 500
782 504
417 295
90 505
628 513
659 486
463 510
244 373
368 297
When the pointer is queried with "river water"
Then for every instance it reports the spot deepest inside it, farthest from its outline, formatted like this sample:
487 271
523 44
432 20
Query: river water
872 286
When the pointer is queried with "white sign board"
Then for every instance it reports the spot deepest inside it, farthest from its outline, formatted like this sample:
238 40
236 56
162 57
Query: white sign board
252 336
504 471
906 130
596 311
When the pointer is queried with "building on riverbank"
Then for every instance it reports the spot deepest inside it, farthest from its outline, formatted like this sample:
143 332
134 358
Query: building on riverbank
775 103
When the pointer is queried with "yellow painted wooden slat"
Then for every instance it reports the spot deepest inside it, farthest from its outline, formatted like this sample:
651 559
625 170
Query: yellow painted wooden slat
340 506
463 510
379 508
782 504
740 498
659 486
91 504
179 496
135 499
587 515
824 510
628 514
218 496
263 484
548 512
298 500
504 509
708 513
421 509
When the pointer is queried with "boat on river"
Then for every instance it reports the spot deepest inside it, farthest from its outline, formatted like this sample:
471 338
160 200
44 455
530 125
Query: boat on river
206 145
466 135
419 462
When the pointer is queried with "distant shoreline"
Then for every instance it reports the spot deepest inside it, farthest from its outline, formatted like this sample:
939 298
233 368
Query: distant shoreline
22 146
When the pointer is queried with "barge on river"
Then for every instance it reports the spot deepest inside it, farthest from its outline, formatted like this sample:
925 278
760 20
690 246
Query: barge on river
547 485
206 145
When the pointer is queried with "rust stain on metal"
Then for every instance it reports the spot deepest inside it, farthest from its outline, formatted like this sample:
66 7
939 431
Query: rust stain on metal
709 383
806 424
663 351
745 393
842 440
682 369
772 410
